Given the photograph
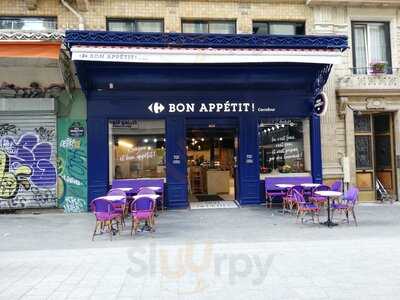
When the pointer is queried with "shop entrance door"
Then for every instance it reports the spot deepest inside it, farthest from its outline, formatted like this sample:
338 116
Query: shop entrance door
211 163
375 164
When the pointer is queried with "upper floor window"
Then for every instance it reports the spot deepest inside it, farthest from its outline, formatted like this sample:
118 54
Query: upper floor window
135 25
279 28
28 23
216 26
371 48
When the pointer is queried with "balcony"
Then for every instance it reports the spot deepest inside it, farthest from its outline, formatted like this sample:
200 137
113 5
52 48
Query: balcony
364 80
381 3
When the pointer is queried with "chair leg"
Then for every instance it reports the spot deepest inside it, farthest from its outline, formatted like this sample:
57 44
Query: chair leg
95 230
110 229
347 217
354 217
153 224
133 225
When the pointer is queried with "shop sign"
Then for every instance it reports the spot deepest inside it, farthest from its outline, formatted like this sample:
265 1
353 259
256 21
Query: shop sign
207 107
76 130
320 104
125 124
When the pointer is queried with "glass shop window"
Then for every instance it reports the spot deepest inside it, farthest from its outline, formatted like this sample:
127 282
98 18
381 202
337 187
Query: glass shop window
281 146
210 26
136 149
371 48
278 28
129 25
28 23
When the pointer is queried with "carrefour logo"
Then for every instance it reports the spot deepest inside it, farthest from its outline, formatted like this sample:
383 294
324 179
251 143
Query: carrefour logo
156 107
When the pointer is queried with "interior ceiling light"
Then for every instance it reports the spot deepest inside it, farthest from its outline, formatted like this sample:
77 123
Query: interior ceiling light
125 144
146 140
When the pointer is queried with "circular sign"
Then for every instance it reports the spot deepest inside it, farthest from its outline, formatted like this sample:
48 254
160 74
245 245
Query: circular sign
76 130
320 104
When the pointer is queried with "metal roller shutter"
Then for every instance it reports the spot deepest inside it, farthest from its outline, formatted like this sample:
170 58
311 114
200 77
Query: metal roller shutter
28 161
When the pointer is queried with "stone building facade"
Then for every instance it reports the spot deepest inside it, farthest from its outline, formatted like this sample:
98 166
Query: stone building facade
350 94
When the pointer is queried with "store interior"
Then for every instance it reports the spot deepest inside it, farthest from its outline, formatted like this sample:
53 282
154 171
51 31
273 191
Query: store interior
211 164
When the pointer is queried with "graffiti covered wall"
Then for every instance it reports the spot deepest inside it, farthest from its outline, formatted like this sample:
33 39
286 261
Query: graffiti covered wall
27 162
72 164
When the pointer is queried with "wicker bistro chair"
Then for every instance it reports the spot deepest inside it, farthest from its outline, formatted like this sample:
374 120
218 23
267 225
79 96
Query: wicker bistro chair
291 200
317 199
105 216
120 207
337 186
304 207
347 204
142 209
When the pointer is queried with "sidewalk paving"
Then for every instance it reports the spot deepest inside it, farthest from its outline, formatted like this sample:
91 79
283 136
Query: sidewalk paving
246 253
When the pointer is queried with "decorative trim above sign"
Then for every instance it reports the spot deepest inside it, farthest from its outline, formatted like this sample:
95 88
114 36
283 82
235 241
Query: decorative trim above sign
185 40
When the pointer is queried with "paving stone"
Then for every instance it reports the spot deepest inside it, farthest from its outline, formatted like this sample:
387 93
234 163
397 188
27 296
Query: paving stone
209 254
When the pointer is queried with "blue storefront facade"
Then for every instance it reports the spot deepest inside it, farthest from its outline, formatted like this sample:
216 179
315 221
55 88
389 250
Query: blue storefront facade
199 93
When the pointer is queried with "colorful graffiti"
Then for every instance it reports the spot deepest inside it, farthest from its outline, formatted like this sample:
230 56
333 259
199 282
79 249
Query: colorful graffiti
7 129
27 174
10 182
71 167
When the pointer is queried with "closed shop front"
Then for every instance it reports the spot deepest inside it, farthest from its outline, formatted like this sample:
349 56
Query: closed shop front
28 153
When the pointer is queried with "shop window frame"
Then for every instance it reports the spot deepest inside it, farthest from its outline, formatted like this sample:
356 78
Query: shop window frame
207 22
134 22
53 19
269 23
111 140
305 123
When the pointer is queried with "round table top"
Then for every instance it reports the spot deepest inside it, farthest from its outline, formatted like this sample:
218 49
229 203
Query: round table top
284 185
310 184
112 198
328 193
152 196
154 188
124 189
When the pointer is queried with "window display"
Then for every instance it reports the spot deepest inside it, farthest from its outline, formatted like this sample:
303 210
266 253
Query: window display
281 146
137 149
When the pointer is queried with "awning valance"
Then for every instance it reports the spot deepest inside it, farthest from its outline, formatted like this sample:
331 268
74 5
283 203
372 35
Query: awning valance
30 49
203 55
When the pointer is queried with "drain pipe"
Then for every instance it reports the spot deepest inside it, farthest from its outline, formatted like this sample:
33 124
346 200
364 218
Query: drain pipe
79 16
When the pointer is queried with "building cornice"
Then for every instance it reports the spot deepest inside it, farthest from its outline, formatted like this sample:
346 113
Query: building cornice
363 3
367 92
